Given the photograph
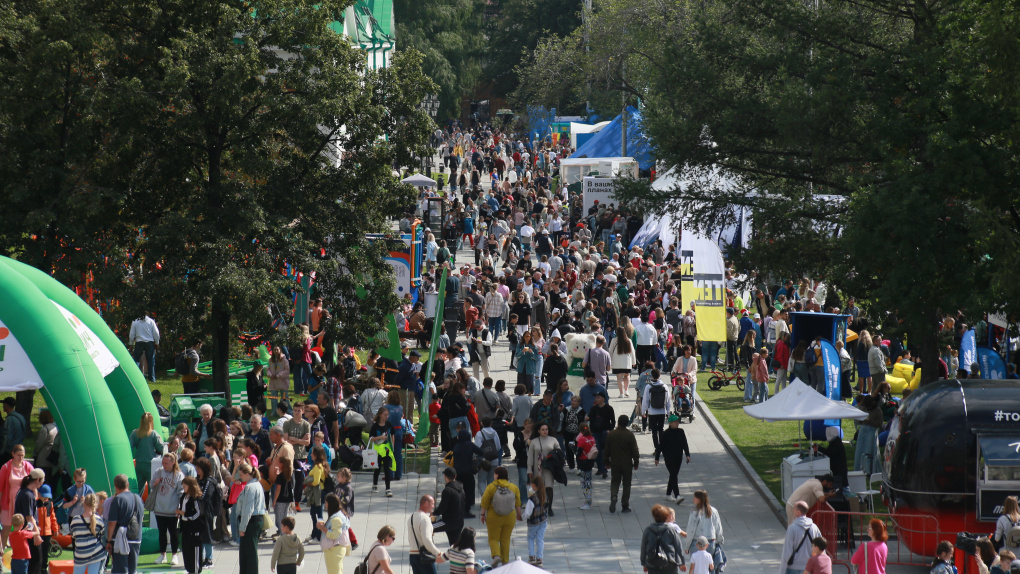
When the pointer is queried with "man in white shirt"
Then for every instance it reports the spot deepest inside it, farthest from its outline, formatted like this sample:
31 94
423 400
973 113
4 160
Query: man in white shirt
144 335
527 232
419 528
647 338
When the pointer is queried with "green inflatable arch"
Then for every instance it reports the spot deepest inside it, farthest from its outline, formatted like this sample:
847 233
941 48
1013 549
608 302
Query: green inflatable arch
50 339
126 381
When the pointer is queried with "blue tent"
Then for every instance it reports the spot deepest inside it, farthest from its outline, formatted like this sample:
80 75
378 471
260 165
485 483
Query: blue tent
609 141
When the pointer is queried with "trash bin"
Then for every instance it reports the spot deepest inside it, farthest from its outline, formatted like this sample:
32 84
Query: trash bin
182 410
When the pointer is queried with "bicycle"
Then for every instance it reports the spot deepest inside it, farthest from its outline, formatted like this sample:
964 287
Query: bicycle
720 379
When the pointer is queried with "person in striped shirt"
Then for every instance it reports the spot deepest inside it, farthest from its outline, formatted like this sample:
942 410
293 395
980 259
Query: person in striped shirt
87 532
461 555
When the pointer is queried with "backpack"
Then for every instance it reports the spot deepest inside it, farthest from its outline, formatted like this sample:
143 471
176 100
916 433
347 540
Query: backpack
504 502
810 358
181 366
489 450
328 483
658 560
1012 538
657 396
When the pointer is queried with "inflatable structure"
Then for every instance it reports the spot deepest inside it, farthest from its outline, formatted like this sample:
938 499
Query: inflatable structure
53 341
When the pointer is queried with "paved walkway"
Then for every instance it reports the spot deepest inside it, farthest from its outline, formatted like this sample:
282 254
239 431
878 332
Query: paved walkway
576 540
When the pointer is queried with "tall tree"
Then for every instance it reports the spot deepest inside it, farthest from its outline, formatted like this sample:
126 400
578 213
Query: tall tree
450 36
515 30
869 138
247 141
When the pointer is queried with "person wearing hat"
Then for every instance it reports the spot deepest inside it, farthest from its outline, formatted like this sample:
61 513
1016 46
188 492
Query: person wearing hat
673 447
48 526
601 419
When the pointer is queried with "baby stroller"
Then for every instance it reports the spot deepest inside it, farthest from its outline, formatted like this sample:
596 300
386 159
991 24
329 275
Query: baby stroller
683 397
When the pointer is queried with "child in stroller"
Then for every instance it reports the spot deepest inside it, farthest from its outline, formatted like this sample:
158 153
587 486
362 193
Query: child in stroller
683 397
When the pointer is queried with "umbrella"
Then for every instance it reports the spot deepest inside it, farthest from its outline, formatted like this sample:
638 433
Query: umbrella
419 180
517 567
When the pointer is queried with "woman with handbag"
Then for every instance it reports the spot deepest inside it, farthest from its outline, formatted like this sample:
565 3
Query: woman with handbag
539 450
252 517
703 521
871 556
334 535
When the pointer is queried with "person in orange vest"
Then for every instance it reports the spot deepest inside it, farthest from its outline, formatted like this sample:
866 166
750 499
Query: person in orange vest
47 522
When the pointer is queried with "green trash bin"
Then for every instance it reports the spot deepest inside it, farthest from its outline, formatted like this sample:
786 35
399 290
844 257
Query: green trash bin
182 410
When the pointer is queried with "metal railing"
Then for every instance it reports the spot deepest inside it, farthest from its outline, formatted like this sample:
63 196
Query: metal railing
845 530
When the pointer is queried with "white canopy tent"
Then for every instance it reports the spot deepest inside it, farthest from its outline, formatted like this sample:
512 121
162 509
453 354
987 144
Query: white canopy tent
419 180
517 567
799 402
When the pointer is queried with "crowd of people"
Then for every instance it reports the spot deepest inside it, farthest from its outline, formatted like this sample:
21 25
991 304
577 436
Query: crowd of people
542 269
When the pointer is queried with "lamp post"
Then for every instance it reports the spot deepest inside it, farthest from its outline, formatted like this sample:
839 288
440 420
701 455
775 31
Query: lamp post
431 105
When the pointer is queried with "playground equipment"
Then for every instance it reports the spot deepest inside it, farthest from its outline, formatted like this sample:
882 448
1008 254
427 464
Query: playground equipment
52 341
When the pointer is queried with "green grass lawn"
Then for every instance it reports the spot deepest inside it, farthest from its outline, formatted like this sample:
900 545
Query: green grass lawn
763 444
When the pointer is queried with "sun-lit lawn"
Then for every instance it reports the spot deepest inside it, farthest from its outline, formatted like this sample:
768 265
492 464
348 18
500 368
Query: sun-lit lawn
763 444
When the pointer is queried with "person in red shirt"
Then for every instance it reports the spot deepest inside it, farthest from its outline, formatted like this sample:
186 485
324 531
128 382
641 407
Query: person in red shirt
18 541
434 407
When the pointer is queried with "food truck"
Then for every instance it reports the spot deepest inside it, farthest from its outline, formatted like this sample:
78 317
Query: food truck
953 453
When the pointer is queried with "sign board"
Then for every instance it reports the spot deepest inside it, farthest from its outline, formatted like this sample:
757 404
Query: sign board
599 189
17 373
101 356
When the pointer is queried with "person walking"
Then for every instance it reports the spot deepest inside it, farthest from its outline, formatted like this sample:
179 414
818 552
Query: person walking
479 348
501 509
673 449
797 545
252 506
144 335
661 544
377 559
279 376
656 405
622 459
541 448
461 555
871 556
125 512
602 418
420 527
166 490
450 509
587 452
622 358
335 535
537 519
12 474
703 521
527 361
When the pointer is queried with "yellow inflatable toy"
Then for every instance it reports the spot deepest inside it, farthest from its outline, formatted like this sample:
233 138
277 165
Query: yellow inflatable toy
903 370
916 381
896 384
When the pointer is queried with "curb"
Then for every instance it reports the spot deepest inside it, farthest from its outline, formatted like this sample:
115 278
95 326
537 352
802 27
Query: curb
778 508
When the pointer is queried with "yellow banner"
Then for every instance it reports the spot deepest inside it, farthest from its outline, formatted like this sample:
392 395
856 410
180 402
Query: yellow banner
706 287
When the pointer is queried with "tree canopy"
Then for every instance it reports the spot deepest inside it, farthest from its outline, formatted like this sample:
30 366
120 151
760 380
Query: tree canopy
186 153
873 140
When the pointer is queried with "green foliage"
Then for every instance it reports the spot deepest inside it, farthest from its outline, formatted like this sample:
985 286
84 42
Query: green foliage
873 141
515 31
214 146
449 34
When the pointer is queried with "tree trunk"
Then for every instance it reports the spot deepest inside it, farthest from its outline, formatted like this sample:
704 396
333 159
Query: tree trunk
929 350
23 404
221 348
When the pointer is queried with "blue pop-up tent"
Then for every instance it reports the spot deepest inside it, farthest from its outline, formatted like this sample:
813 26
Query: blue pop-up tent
609 141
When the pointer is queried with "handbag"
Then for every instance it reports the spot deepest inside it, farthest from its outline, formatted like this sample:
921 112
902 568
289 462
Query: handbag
369 459
587 365
425 557
235 492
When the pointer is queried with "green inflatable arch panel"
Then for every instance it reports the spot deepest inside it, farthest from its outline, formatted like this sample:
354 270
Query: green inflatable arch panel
126 382
86 412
